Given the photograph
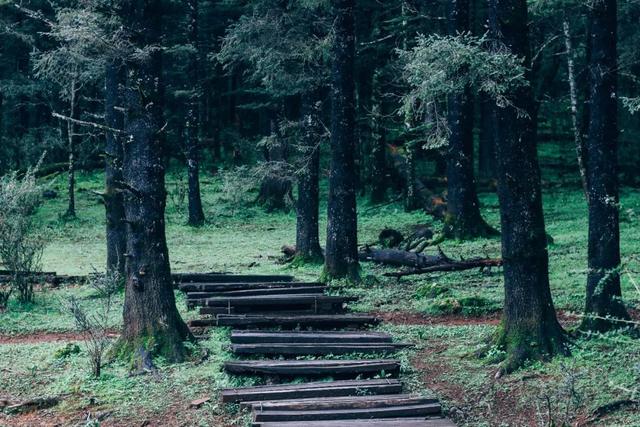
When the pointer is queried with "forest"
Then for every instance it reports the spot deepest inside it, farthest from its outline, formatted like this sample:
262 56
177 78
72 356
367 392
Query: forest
337 213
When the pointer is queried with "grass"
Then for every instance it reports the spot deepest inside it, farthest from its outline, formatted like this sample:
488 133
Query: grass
246 239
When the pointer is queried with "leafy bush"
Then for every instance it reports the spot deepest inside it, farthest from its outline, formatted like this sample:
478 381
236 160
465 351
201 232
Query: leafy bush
21 241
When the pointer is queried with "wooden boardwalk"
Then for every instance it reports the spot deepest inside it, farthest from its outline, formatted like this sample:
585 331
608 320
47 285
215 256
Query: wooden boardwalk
282 327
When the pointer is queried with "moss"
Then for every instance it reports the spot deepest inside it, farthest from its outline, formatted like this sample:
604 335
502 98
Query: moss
528 343
138 352
302 260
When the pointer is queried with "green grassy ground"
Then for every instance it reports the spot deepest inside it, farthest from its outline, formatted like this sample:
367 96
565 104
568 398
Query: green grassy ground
245 239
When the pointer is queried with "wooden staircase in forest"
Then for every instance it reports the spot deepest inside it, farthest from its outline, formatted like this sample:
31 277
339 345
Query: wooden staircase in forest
277 322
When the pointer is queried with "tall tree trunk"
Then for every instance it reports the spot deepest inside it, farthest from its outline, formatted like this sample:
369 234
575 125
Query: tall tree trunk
604 296
573 96
463 219
529 329
193 121
341 258
113 199
275 189
72 138
152 324
307 237
378 141
486 142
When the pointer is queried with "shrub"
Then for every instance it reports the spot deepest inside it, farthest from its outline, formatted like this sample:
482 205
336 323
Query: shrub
21 241
95 326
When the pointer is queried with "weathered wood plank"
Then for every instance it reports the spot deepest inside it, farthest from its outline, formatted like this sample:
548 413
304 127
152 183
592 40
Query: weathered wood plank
349 402
229 278
257 292
273 300
417 410
389 422
234 286
251 337
313 389
313 367
251 321
286 349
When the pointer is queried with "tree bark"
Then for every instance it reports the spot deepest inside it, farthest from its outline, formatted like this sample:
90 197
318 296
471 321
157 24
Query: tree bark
307 236
193 121
341 250
113 198
529 329
275 189
378 142
486 148
72 138
463 219
152 324
573 95
604 296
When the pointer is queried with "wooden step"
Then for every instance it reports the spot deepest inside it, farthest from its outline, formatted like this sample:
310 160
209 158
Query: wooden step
283 321
235 286
209 311
312 389
256 292
342 402
314 367
326 414
229 278
262 337
388 422
287 349
273 300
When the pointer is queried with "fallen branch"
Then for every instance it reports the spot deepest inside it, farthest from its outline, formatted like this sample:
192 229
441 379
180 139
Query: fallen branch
85 123
450 265
32 405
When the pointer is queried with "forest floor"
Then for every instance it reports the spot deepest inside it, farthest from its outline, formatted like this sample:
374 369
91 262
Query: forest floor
41 353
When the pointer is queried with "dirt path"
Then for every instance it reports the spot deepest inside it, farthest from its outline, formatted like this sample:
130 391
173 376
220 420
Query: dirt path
44 337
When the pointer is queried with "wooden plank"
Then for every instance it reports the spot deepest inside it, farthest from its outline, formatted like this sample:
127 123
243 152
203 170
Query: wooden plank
235 286
208 311
229 278
273 300
251 321
389 422
313 367
312 389
250 337
348 402
256 292
417 410
286 349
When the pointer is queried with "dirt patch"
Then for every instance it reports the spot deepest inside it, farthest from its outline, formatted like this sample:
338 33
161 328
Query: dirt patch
44 337
408 318
488 403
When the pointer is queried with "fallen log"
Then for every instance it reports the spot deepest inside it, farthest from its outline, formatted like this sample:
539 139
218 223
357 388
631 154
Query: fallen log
400 258
450 265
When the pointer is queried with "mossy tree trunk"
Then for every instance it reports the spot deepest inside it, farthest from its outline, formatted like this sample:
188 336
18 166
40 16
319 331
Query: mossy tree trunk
604 296
152 324
341 259
530 329
463 219
307 207
113 198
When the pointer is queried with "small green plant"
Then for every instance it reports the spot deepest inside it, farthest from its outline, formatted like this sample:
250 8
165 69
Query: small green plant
431 290
68 350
